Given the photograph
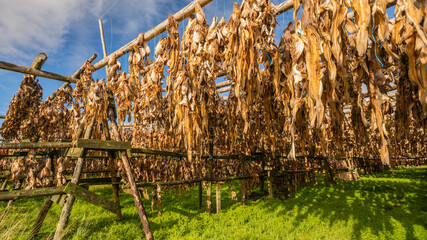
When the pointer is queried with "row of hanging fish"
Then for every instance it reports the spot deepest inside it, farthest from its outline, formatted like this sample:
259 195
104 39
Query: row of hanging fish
343 77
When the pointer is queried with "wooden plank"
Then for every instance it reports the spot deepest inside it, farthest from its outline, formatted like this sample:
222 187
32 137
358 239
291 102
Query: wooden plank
38 192
35 72
35 145
91 197
75 152
103 144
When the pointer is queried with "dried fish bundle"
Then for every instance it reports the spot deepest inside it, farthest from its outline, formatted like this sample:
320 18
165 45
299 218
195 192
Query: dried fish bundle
250 42
54 116
123 87
17 170
60 178
23 109
80 96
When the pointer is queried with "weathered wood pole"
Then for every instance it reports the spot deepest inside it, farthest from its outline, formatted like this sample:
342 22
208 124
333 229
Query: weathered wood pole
69 201
210 163
115 184
114 180
261 178
270 178
38 192
135 193
35 72
40 218
107 133
218 197
199 206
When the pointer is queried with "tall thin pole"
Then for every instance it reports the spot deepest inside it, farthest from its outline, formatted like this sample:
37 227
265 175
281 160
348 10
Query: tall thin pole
104 48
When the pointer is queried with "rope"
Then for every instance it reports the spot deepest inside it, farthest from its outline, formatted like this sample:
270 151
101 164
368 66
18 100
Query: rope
110 8
375 41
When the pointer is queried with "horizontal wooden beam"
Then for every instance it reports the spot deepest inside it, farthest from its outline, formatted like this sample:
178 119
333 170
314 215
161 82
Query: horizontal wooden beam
102 144
35 72
284 6
223 90
39 192
29 145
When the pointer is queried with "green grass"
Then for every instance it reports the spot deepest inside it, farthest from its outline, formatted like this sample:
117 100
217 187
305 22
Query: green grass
380 206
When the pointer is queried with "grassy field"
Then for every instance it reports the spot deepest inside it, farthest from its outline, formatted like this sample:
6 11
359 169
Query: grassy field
380 206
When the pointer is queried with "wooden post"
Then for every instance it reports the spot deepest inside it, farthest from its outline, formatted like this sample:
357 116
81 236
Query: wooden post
200 196
210 163
218 197
69 201
261 178
270 178
107 133
135 193
40 218
114 180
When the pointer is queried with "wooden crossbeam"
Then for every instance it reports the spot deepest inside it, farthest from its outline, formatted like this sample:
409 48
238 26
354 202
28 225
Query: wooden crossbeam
25 145
102 144
35 72
38 192
91 197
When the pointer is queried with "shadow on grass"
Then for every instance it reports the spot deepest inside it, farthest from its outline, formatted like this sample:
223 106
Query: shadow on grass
376 204
370 203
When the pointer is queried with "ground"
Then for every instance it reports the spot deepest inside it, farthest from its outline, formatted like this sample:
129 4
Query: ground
380 206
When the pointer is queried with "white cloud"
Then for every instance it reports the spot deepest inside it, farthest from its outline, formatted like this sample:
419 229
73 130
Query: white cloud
34 25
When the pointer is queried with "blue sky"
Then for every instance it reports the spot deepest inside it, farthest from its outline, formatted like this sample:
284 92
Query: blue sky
68 32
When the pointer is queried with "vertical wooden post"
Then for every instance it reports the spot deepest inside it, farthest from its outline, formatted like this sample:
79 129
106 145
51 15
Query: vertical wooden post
218 197
69 201
128 169
210 163
115 186
261 178
111 162
270 178
200 196
104 48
